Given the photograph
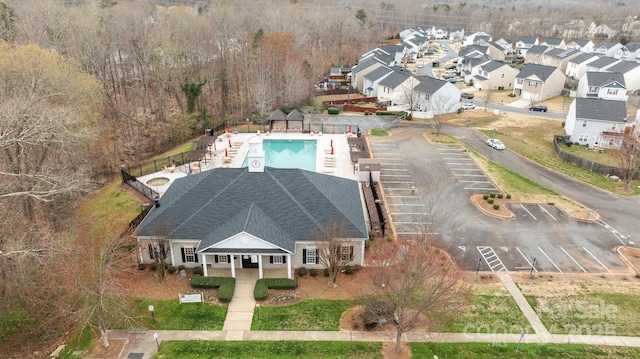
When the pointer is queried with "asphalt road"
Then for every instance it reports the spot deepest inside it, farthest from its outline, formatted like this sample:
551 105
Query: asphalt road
540 236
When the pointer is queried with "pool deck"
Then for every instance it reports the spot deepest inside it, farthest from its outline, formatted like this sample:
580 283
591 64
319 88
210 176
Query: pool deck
237 146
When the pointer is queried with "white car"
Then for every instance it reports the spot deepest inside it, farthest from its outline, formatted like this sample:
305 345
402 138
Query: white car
496 144
468 106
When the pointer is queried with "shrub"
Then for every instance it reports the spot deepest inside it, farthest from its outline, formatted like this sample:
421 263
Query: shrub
348 270
172 269
372 235
357 268
153 266
366 113
302 272
181 267
490 201
638 275
142 266
508 195
197 270
261 290
333 111
409 117
313 272
496 206
500 195
367 244
225 285
485 196
492 195
326 272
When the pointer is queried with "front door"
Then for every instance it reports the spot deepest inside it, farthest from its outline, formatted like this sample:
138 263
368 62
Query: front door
249 261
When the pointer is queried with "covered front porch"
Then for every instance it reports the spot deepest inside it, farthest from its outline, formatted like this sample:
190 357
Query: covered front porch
247 260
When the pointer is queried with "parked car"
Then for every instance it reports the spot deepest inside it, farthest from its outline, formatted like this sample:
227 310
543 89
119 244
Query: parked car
496 144
467 95
451 67
539 108
455 79
468 106
448 76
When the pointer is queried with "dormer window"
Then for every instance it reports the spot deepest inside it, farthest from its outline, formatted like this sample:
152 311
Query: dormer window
612 91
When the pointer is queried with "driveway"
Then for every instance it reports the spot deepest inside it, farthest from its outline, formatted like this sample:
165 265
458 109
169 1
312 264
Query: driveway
540 236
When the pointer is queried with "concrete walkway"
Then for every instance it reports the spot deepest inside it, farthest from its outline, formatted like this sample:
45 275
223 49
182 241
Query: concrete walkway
526 309
240 310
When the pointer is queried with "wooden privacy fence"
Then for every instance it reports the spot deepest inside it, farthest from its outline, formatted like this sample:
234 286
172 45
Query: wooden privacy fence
585 163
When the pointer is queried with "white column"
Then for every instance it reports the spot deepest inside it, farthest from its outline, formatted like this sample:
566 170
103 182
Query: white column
233 266
173 262
260 266
204 264
289 266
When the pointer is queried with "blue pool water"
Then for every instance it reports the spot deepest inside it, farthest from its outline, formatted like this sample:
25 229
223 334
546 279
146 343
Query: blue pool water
289 154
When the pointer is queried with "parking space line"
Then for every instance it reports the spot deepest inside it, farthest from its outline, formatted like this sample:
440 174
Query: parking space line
547 212
597 260
465 169
469 181
525 208
543 253
574 261
481 188
526 259
464 175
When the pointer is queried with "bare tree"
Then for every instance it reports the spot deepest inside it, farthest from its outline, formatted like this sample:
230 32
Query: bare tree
488 93
410 95
335 251
629 156
440 105
415 284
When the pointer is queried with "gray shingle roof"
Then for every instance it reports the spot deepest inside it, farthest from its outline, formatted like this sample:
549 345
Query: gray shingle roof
365 63
582 58
281 206
601 79
295 115
599 109
537 49
429 85
527 39
561 53
394 80
378 73
579 42
623 67
632 46
278 115
541 71
603 62
553 41
606 44
492 65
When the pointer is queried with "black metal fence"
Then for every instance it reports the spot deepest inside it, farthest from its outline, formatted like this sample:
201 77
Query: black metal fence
585 163
142 188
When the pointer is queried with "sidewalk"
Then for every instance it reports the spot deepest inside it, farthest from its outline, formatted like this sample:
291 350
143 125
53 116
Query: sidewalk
524 306
240 310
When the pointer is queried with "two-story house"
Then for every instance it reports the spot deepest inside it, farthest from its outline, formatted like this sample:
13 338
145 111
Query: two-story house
456 33
436 97
596 122
559 58
538 82
601 64
362 68
577 66
607 48
440 32
631 72
494 75
473 38
585 46
396 89
603 85
534 54
372 79
553 43
524 43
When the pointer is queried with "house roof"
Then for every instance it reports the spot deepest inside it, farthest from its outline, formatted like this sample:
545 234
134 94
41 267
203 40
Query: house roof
481 38
603 62
378 73
623 66
365 63
429 85
553 42
394 80
527 39
561 53
541 71
492 65
537 49
606 44
580 42
599 109
582 58
633 46
295 115
278 115
281 206
601 79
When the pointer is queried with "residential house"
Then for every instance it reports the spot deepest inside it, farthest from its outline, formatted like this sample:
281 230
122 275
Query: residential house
553 43
474 51
603 85
494 75
580 44
622 53
363 67
440 32
414 47
601 64
505 44
456 33
538 82
596 122
255 217
371 80
409 33
396 89
634 51
436 97
559 58
534 54
475 38
577 66
574 29
496 51
470 66
631 72
524 43
607 48
605 31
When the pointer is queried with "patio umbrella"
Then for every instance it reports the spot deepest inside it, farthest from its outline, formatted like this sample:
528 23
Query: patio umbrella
230 143
332 142
226 154
331 149
228 128
349 128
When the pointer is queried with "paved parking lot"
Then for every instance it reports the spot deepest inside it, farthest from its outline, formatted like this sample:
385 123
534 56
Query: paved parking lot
540 237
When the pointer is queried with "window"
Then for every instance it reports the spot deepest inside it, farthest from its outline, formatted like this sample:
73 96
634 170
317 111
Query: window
346 253
520 81
278 260
189 255
584 123
157 249
612 91
426 96
502 76
220 259
309 255
533 84
613 127
611 142
583 138
593 89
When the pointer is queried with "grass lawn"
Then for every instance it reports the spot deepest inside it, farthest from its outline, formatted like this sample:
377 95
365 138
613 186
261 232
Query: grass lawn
268 349
589 313
310 314
500 350
487 314
171 315
378 132
113 202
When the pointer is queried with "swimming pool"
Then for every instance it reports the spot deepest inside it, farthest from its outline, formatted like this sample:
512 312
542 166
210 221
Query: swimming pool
289 154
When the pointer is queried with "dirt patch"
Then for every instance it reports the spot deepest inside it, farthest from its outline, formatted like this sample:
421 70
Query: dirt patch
144 284
632 256
114 349
553 285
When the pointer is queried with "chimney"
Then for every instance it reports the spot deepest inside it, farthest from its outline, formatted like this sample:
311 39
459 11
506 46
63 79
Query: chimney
156 202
